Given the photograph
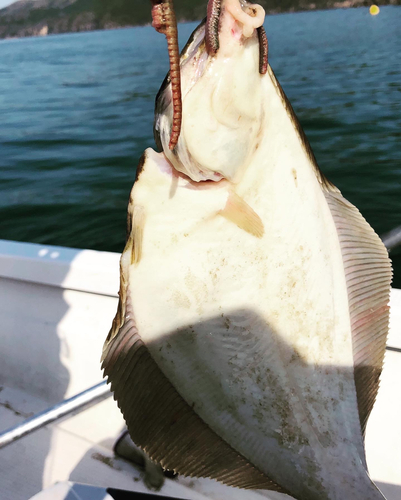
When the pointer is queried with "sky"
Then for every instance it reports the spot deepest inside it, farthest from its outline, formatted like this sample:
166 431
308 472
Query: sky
4 3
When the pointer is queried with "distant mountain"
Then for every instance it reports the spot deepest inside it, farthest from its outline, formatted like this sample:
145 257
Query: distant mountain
43 17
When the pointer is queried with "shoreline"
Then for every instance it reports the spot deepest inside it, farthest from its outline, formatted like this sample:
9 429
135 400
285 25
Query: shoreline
42 30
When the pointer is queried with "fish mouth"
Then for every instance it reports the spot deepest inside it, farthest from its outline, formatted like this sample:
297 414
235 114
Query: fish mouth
245 18
230 39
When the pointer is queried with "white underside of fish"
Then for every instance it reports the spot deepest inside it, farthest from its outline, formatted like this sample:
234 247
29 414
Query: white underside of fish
252 326
252 321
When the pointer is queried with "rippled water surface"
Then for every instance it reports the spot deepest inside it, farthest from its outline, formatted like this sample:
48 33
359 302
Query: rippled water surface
77 110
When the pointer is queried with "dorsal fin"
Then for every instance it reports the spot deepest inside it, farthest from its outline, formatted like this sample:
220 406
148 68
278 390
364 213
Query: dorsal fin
161 422
368 275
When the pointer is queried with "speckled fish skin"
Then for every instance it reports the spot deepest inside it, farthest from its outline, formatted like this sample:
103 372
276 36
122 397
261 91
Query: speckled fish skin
253 308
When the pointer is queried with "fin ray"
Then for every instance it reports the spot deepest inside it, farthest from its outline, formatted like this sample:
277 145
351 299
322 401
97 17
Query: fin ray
368 275
242 215
162 423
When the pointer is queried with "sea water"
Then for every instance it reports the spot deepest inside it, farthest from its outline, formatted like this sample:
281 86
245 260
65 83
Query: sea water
76 113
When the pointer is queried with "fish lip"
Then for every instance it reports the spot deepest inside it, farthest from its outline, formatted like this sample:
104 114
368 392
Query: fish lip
249 15
216 8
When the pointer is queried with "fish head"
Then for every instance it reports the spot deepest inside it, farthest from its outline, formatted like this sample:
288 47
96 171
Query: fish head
222 98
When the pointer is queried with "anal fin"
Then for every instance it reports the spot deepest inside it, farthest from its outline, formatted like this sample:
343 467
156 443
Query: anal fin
368 274
162 423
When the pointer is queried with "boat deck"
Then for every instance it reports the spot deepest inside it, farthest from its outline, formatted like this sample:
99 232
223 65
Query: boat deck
80 450
56 306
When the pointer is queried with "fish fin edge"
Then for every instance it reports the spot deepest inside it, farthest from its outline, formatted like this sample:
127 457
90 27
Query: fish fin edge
368 297
325 184
131 254
119 318
163 424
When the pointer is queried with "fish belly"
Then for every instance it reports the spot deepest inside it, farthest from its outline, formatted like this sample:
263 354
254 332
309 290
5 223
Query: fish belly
254 333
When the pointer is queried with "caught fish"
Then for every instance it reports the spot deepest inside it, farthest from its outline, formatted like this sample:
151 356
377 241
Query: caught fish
253 313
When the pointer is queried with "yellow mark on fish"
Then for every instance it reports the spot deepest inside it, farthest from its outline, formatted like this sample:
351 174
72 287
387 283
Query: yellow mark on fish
180 300
295 175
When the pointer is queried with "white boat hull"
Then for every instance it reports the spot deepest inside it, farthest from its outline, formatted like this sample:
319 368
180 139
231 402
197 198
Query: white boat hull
56 306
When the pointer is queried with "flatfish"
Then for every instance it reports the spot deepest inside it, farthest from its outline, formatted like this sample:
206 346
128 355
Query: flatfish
253 313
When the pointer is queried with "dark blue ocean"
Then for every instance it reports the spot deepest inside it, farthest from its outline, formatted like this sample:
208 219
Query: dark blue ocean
76 113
